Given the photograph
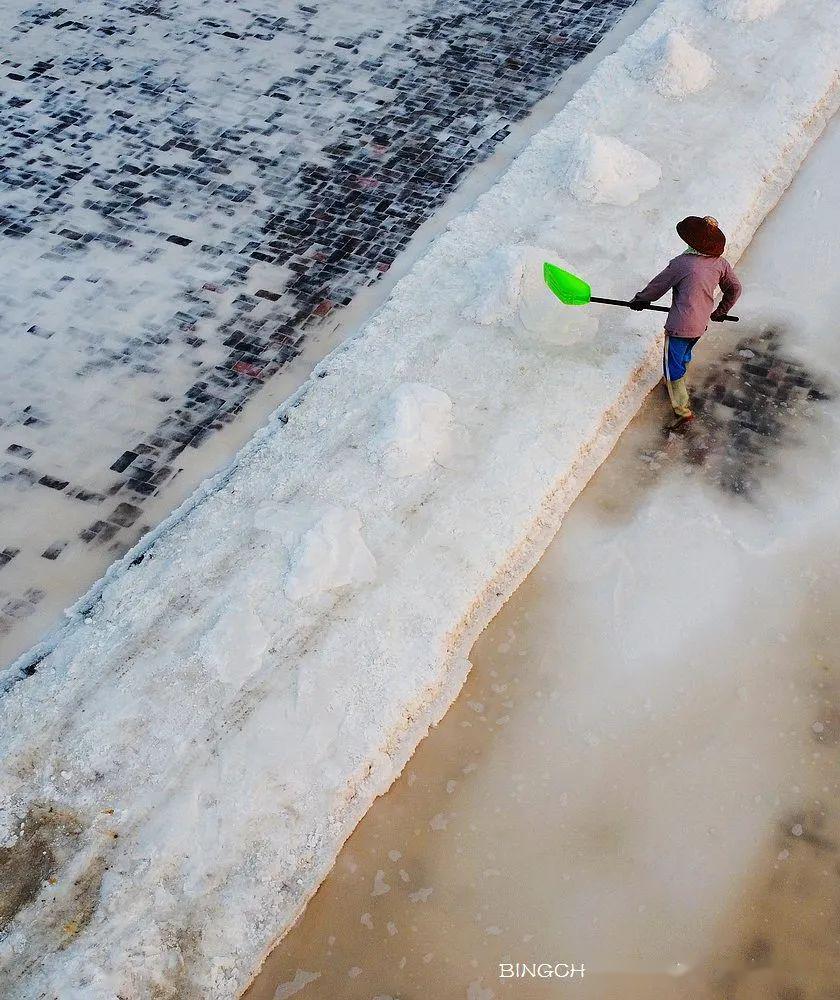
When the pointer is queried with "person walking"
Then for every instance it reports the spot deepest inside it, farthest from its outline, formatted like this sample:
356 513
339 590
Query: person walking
695 275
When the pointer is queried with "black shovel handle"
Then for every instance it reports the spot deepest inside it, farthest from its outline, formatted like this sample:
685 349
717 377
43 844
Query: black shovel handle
661 309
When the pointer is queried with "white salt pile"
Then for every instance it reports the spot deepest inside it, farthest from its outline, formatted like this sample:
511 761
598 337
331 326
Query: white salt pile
511 291
324 545
675 67
416 430
498 285
235 645
605 171
744 10
329 553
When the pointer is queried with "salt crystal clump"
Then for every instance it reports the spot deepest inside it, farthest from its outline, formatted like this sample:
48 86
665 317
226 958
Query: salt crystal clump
236 643
498 284
416 429
675 67
512 292
605 171
744 10
330 553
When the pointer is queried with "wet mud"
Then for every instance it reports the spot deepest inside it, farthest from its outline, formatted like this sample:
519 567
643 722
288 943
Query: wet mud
750 405
47 837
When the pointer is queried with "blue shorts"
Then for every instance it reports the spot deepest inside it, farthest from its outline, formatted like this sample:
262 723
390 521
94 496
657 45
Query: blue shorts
677 356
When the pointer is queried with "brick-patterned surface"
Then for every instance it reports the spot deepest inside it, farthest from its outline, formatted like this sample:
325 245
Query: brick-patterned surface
189 190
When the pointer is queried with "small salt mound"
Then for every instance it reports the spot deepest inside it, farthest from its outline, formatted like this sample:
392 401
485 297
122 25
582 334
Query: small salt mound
744 10
675 67
416 429
235 645
498 283
605 171
330 553
511 291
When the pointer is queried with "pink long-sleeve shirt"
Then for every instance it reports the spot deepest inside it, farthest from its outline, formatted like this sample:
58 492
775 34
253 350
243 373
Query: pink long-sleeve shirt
695 280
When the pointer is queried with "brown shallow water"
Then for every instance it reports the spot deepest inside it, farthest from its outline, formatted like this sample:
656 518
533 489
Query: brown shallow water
642 773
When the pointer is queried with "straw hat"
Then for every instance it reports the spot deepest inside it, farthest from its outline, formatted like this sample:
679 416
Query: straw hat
702 235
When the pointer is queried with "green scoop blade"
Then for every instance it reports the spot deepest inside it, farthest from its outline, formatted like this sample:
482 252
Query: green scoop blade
570 289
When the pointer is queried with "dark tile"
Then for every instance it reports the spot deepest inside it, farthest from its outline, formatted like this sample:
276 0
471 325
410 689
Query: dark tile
125 514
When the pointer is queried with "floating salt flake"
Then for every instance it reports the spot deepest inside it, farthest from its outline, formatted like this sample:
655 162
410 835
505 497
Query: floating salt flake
605 171
302 979
674 67
380 886
421 896
438 822
744 10
476 991
797 829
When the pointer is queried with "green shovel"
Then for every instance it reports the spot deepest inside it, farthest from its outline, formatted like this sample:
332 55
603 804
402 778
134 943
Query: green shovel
574 291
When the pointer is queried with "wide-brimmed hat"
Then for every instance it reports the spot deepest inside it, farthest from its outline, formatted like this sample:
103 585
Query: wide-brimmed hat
702 235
